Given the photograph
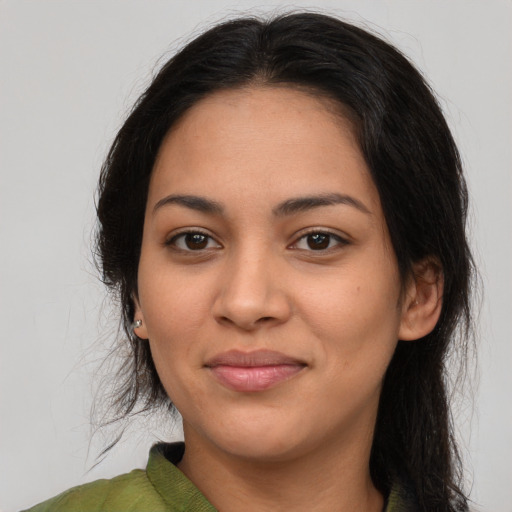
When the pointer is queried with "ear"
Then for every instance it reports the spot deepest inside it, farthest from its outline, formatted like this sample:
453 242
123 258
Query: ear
423 300
141 331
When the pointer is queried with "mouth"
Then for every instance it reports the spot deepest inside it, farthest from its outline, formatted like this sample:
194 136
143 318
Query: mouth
253 371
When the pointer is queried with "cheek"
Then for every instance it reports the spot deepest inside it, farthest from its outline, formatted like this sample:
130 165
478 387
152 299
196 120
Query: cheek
355 328
355 315
352 302
173 303
173 325
174 313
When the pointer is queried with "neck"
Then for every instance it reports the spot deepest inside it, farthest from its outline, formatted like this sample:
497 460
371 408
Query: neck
335 481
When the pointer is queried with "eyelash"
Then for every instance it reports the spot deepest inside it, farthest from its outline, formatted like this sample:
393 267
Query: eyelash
321 234
172 242
340 241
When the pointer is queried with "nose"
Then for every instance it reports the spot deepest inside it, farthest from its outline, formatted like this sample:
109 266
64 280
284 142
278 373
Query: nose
252 293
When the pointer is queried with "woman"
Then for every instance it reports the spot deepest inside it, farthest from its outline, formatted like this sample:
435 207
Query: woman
282 216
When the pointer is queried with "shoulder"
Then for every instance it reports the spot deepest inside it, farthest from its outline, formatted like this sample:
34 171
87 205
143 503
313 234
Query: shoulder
162 487
129 492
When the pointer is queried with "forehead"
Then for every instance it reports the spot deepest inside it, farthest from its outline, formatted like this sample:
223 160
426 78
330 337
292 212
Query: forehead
280 139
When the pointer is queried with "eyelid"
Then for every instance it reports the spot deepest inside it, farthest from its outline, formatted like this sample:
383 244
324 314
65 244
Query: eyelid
342 239
173 236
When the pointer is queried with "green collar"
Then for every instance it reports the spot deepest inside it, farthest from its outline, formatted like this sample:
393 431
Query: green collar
175 489
180 494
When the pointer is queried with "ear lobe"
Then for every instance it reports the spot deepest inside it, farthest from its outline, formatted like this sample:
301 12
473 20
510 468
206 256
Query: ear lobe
423 300
139 323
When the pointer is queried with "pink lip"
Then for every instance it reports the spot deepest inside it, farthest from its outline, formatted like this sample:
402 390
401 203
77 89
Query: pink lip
253 371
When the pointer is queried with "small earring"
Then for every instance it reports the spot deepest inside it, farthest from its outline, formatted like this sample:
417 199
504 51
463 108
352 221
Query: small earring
137 324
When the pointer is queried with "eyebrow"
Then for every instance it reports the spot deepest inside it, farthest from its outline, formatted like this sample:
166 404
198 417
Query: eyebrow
198 203
301 204
288 207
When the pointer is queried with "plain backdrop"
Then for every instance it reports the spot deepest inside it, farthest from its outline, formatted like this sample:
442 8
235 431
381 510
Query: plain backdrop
69 72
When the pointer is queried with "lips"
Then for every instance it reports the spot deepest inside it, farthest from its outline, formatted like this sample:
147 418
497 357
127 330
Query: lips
253 371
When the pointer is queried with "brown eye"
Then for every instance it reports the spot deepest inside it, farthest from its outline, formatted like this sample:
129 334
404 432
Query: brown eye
196 241
318 241
193 241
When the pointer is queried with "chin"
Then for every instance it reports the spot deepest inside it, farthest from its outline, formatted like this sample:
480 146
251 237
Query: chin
263 450
263 441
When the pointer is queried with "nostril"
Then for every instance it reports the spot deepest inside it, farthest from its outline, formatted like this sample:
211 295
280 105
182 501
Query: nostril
251 307
246 324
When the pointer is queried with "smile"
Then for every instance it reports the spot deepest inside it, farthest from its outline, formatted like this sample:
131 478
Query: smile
253 371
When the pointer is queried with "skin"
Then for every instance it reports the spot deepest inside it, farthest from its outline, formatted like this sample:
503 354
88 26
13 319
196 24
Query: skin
254 282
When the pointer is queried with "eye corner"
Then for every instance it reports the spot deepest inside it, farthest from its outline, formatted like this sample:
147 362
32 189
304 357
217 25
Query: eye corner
320 241
192 240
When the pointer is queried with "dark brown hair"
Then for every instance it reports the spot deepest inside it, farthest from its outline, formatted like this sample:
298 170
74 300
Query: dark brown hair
414 164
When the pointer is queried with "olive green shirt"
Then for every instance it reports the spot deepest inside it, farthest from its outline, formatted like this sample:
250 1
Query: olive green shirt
162 487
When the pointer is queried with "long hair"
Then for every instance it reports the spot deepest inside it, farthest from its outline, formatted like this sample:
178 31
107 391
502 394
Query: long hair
416 169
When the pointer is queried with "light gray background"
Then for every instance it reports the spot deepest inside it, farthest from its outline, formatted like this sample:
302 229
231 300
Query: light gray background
69 70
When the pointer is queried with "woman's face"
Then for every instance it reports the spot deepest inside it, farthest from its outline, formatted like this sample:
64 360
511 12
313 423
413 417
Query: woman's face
268 287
